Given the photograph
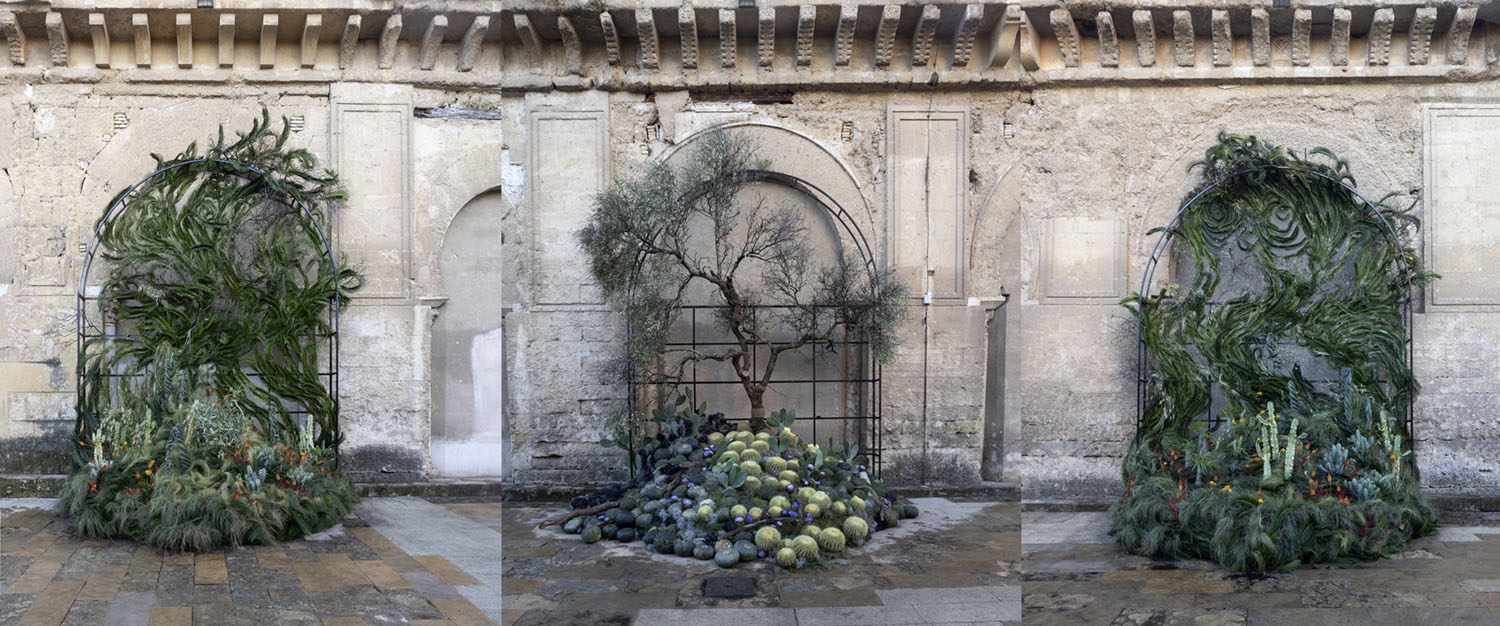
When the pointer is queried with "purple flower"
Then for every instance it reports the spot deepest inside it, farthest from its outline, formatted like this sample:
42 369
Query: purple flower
794 504
739 519
778 523
791 487
750 517
761 554
690 483
688 502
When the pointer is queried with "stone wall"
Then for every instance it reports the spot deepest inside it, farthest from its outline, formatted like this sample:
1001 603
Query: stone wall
1007 159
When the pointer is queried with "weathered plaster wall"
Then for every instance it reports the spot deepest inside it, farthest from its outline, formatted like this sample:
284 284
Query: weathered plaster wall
835 140
991 153
1121 156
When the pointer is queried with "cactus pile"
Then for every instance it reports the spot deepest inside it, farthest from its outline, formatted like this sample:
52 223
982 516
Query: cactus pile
716 492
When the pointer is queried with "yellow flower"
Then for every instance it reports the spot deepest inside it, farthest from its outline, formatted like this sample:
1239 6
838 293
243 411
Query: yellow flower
1226 488
1212 483
148 472
1260 500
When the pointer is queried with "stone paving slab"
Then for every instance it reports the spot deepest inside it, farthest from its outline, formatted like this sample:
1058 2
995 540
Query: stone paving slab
350 575
1073 576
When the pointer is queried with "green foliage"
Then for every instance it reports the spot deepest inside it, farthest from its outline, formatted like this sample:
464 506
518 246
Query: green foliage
655 234
1299 471
193 473
222 264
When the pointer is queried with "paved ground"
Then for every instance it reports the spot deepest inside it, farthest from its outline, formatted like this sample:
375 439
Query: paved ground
956 564
395 561
1076 574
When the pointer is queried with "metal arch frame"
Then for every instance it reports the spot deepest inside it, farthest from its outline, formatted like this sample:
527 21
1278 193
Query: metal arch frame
1142 357
118 206
856 235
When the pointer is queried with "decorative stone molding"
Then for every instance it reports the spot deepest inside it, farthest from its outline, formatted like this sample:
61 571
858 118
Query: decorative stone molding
845 44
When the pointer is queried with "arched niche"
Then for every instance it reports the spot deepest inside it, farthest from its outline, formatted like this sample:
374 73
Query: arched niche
469 433
803 175
1003 258
1171 181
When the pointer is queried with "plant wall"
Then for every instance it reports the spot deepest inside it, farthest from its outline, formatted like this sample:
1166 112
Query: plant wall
203 419
1277 382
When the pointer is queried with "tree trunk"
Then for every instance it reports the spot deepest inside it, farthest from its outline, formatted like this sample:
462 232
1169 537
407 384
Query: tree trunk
758 415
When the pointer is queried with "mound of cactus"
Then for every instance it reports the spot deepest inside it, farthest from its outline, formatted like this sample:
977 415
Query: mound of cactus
728 494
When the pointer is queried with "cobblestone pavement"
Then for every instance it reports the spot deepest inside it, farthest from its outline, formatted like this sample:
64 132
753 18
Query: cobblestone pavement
394 561
1075 573
956 564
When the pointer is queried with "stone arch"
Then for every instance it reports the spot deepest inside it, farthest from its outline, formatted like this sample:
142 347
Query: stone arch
1171 181
470 436
794 153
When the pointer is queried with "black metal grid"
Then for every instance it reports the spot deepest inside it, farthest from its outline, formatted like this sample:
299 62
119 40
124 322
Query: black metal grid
1143 358
868 432
104 327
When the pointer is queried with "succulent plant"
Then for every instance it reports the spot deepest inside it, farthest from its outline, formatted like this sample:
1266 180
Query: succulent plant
726 557
856 529
838 509
761 446
736 446
821 499
625 535
775 464
750 454
751 467
786 557
683 547
787 474
767 538
748 551
805 547
592 534
831 540
813 511
810 530
703 551
573 526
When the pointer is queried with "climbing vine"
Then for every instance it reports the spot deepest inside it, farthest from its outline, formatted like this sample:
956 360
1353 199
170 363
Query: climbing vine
1272 432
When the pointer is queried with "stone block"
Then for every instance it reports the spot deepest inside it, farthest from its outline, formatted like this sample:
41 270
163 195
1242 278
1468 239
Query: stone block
928 153
1084 259
1461 206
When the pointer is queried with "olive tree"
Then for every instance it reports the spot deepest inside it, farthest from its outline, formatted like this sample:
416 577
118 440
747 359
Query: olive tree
653 236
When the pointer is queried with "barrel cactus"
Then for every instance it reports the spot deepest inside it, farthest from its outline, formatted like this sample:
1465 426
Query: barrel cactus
786 557
831 540
805 547
856 529
767 539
